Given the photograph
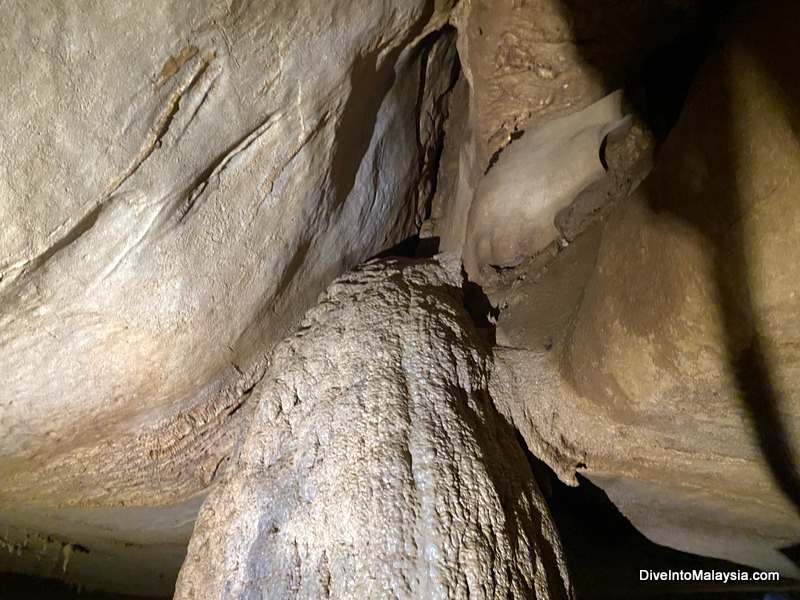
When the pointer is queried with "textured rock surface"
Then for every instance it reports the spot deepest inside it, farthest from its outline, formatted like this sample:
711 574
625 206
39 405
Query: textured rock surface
376 465
179 182
522 68
684 345
529 62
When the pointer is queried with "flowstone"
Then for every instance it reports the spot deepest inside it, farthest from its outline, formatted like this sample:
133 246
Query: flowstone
376 465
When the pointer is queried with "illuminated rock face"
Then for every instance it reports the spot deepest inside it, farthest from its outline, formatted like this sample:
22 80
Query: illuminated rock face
375 464
513 212
678 334
179 183
690 323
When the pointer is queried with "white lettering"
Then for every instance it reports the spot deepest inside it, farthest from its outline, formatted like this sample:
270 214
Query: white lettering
703 575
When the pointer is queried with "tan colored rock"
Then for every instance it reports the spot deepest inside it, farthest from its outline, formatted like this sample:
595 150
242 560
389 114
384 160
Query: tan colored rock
222 192
375 465
179 183
513 212
675 383
522 68
529 62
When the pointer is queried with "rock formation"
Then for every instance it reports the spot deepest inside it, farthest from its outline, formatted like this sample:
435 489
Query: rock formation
179 182
513 211
375 464
664 362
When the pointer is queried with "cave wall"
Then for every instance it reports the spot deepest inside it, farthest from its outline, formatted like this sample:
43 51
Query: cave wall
181 182
664 366
690 318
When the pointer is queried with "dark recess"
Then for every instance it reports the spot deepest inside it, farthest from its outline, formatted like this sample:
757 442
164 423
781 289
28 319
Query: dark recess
792 553
24 587
407 248
433 154
659 91
605 552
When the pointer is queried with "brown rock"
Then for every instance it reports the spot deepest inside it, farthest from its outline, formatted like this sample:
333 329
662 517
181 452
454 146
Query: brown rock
180 182
682 350
376 464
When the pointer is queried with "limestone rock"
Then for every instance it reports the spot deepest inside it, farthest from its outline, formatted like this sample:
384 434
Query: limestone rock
529 62
513 211
684 403
690 323
376 465
179 183
522 68
169 212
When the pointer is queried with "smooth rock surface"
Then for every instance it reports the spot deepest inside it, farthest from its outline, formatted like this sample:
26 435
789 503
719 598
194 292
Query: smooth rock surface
376 465
665 364
216 194
529 62
513 212
178 183
522 68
